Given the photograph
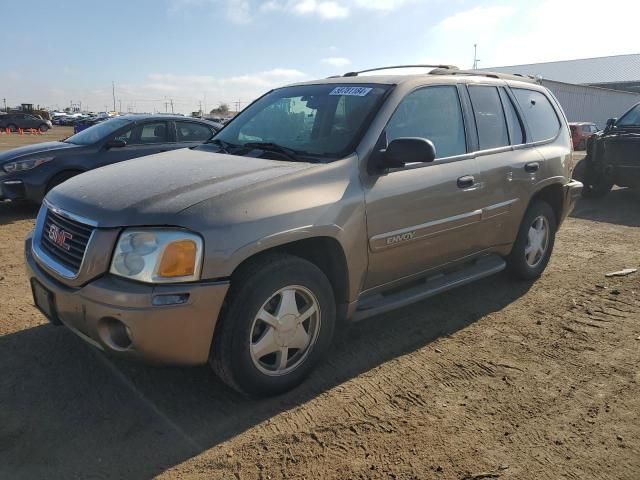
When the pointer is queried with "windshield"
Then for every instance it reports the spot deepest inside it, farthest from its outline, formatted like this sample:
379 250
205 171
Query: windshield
97 132
632 117
322 120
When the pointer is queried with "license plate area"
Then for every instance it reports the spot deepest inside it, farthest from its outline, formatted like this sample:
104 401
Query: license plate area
44 301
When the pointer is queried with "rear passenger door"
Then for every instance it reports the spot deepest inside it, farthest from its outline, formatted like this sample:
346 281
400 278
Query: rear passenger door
503 159
189 134
426 214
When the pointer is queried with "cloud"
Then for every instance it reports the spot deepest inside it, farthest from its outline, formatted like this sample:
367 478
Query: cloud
237 11
531 32
384 5
329 9
336 61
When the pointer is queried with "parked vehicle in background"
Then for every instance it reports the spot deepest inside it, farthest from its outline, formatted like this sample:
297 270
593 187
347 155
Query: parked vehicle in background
28 173
14 121
613 156
84 123
580 132
247 250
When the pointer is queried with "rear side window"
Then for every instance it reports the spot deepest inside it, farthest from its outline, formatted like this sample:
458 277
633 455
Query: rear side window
433 113
192 132
538 113
490 121
514 123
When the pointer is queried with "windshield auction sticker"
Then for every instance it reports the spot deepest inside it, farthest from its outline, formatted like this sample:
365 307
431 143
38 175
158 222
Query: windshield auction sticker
351 91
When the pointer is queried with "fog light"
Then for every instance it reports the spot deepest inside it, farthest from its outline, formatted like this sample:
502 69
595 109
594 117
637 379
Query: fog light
115 333
170 299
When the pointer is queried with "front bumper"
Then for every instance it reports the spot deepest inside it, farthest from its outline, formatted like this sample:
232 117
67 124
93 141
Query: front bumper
572 191
100 311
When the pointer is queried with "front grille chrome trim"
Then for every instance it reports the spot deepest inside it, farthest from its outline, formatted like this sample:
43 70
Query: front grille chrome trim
46 260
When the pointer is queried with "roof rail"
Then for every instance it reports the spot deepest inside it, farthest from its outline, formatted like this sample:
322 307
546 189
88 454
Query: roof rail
444 67
483 73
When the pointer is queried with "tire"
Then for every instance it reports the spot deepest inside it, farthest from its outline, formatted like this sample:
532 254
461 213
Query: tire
522 262
43 128
241 352
12 128
60 178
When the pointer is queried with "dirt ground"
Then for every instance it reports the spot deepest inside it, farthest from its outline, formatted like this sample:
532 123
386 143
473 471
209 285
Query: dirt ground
499 379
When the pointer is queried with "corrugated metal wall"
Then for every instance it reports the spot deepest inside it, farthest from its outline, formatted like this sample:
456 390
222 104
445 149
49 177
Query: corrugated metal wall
591 104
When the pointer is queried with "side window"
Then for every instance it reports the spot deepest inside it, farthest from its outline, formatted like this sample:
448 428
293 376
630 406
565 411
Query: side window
514 123
433 113
539 114
192 132
490 121
125 136
155 132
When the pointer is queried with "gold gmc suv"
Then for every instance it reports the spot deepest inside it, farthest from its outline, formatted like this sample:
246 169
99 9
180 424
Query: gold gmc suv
323 201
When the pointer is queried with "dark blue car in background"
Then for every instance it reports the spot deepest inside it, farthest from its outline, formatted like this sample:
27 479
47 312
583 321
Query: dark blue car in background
28 173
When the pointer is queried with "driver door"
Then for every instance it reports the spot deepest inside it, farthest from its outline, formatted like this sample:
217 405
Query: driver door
426 214
141 140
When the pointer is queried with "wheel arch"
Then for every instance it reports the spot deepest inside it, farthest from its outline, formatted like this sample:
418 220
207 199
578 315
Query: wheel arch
553 194
324 252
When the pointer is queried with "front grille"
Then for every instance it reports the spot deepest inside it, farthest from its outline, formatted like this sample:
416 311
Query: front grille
65 240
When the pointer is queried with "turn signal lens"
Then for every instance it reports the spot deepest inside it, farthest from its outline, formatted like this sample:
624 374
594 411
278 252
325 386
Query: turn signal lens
178 259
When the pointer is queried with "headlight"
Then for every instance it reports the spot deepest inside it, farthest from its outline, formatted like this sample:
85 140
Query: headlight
27 164
158 255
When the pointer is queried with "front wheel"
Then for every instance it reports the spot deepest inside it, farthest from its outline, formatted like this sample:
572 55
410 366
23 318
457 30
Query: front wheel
533 246
276 325
43 128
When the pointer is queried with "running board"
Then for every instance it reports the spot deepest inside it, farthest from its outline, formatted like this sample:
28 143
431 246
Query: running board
430 286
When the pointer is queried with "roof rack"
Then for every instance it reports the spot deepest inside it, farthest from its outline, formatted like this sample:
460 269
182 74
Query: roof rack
483 73
443 67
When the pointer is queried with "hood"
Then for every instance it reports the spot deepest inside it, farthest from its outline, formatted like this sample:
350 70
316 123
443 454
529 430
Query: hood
152 190
16 153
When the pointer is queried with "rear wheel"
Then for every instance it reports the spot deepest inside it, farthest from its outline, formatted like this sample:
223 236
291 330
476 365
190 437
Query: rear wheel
43 128
532 250
276 325
12 127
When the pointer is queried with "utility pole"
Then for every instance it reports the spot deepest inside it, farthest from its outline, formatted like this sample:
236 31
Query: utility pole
475 56
166 104
205 102
172 105
120 110
201 112
113 93
4 100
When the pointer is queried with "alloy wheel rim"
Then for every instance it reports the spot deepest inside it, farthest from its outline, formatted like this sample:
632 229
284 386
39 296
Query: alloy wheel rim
284 330
537 241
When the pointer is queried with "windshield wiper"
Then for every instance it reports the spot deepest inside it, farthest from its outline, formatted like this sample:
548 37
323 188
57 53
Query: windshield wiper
224 146
286 152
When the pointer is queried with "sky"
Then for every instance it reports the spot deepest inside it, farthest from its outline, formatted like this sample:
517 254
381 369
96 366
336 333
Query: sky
204 52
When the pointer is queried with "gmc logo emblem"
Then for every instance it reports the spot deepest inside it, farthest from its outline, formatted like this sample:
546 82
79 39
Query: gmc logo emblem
59 237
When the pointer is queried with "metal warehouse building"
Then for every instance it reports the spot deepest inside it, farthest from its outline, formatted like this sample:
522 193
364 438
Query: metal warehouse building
590 89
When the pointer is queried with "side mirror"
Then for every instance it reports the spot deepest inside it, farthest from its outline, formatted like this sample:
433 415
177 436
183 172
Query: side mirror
115 143
407 150
611 123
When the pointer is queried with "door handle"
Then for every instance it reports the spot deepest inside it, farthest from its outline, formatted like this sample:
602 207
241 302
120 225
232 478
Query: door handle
466 181
532 167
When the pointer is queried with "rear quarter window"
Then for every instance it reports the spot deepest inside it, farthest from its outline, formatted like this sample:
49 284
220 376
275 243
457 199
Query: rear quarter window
538 113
